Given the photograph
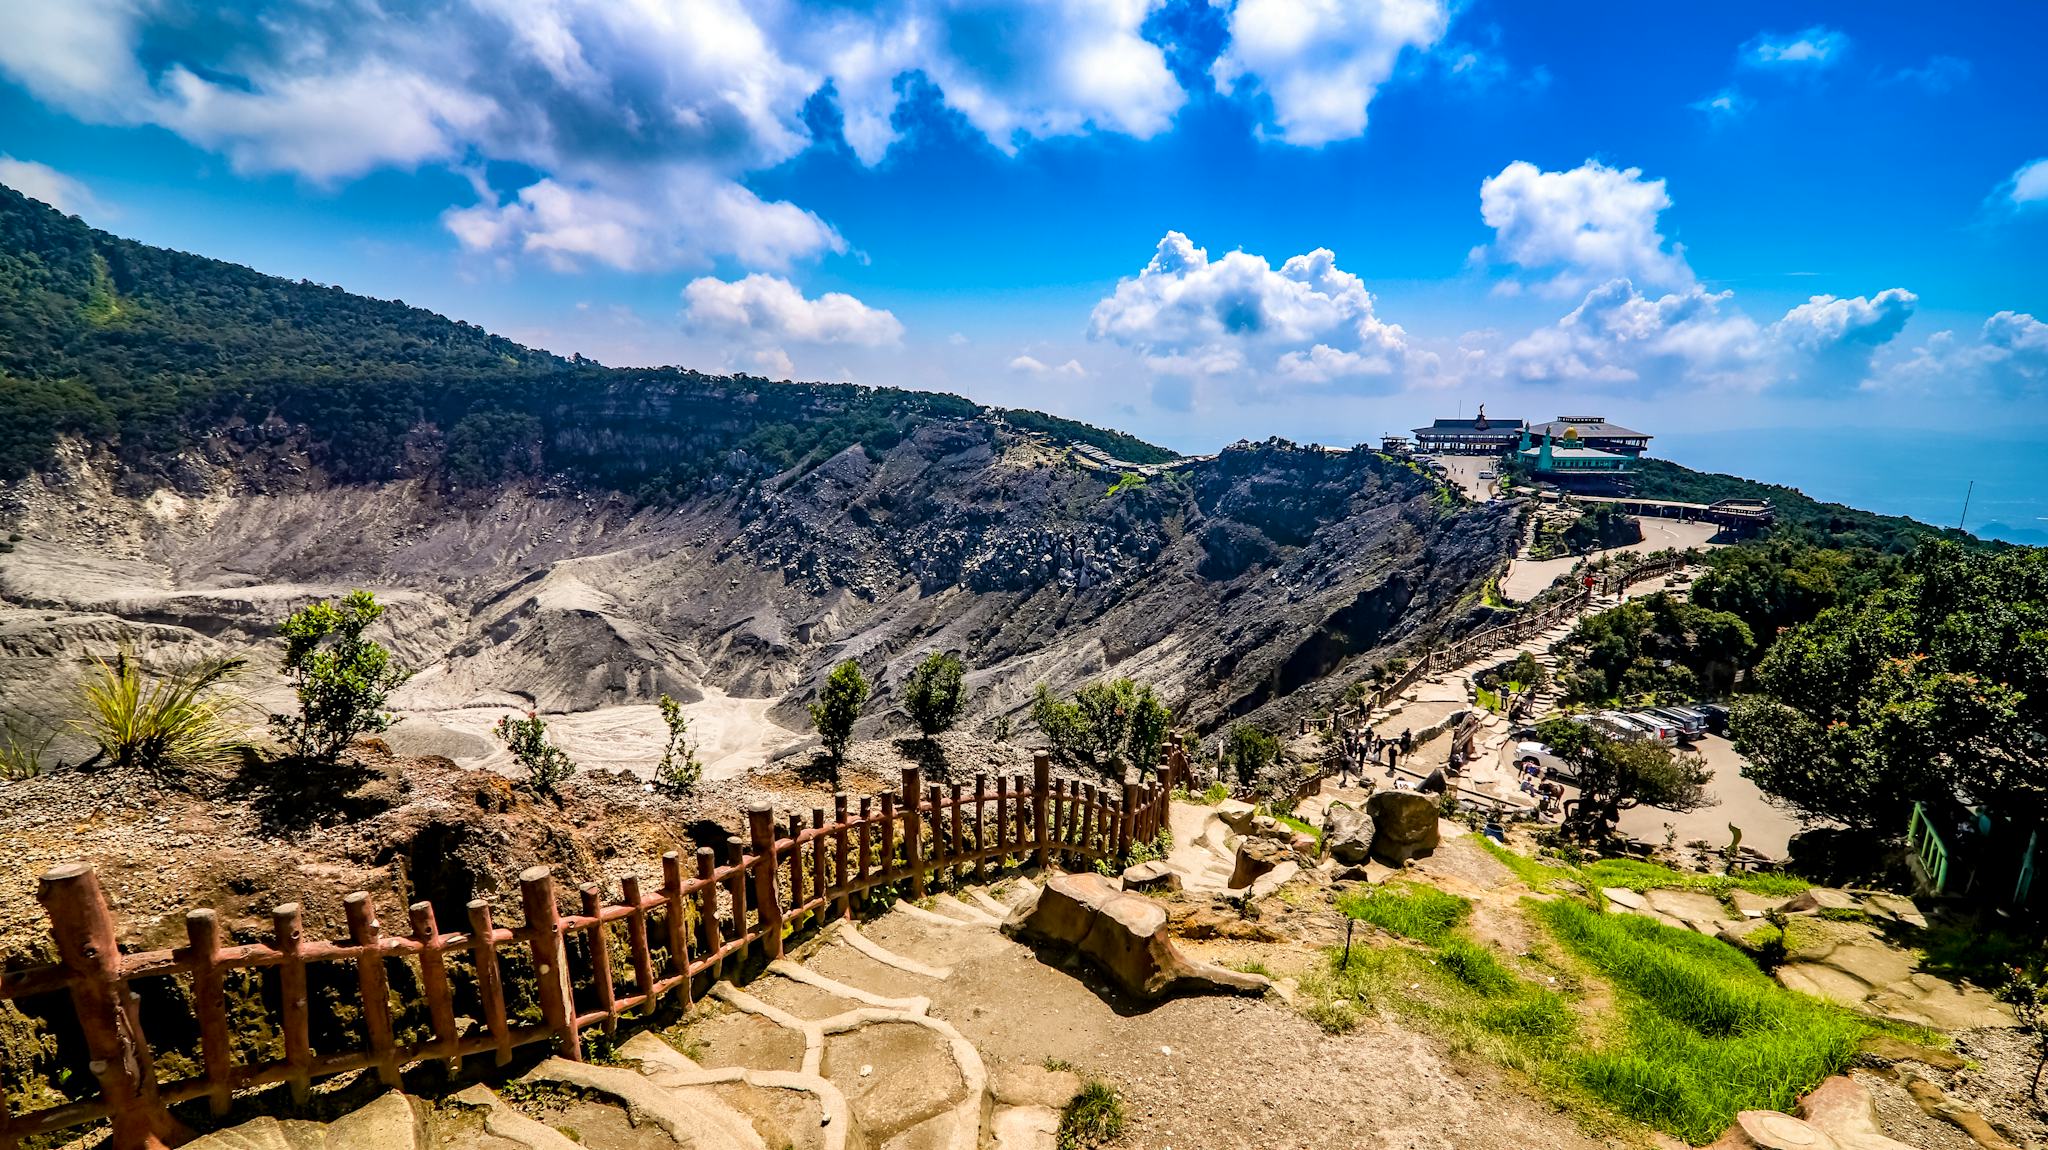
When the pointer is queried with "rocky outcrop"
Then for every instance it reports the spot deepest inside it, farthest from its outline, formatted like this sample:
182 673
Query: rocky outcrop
1122 935
1404 825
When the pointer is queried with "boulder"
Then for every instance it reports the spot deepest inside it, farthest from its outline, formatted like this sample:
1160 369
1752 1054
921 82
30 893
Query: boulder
1121 934
1237 815
1256 856
1404 825
1303 845
1347 833
1753 937
1154 875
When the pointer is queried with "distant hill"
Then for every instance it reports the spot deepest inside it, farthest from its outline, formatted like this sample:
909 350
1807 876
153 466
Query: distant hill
154 352
1832 524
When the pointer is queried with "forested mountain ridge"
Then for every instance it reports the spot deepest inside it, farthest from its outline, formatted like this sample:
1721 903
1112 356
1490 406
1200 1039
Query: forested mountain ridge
154 352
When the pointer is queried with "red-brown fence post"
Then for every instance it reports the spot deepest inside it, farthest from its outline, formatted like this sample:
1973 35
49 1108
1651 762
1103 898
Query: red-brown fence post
550 959
210 1005
288 931
912 827
839 848
636 940
767 900
675 920
707 870
1041 792
1126 814
368 936
434 981
490 986
798 888
108 1016
820 872
599 943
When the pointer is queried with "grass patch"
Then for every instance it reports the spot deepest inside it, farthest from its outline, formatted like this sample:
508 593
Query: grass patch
1487 699
1703 1032
1094 1118
1422 913
1535 875
1302 826
1636 875
1475 966
1251 966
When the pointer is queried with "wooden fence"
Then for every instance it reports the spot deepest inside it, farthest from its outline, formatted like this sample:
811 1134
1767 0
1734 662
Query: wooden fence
604 959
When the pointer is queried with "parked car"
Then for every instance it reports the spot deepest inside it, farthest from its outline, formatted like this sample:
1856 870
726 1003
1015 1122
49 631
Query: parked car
1716 716
1488 475
1690 723
1546 762
1661 729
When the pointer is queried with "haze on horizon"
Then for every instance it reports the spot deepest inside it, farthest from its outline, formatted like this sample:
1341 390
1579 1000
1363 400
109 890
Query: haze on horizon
1189 220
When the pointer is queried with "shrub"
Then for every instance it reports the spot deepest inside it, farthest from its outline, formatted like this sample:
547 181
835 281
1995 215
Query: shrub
1248 751
22 745
1109 725
838 706
167 724
342 679
678 769
1422 913
546 764
933 693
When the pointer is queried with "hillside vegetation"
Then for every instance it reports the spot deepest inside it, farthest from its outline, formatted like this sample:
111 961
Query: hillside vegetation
155 352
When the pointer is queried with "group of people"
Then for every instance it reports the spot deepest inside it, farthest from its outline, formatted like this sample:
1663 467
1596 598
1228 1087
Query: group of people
1364 746
1548 793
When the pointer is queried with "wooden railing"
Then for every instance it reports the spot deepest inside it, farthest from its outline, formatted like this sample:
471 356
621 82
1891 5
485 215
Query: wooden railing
589 967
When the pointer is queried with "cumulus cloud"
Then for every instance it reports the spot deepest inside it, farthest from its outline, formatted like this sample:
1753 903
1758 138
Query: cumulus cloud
2009 356
770 309
1032 365
2028 186
1619 335
1825 321
1816 47
1726 104
1321 62
1587 225
1308 320
628 113
45 183
675 216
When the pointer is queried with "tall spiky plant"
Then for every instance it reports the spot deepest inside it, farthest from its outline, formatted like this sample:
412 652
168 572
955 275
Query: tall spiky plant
181 720
22 746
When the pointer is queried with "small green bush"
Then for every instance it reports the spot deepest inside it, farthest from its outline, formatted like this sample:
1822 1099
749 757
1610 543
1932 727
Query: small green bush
1094 1118
1422 913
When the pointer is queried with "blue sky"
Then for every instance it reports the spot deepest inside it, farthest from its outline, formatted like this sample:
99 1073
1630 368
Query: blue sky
1194 220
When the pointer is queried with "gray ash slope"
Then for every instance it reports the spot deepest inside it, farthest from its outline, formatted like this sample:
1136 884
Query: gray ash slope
192 448
1232 584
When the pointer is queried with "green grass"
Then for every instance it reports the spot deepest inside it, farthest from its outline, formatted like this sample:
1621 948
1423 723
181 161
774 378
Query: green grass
1534 874
1487 699
1641 876
1304 827
1703 1033
1422 913
1094 1118
1475 966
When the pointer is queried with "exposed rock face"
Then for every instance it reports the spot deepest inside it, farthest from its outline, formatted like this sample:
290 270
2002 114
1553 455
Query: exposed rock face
1229 584
1151 876
1123 935
1347 833
1403 825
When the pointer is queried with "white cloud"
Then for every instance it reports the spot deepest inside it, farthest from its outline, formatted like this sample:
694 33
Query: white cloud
1308 320
1587 225
770 309
2029 185
680 216
1321 62
45 183
634 112
2009 357
1824 321
1816 47
1693 337
1726 104
1032 365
